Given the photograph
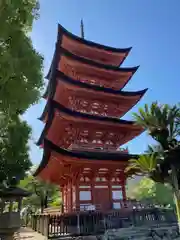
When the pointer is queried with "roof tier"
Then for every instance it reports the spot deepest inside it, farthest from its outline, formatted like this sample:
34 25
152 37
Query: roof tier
83 97
59 165
90 50
66 128
88 71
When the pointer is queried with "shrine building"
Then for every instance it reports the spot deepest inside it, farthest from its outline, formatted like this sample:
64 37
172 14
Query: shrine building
83 131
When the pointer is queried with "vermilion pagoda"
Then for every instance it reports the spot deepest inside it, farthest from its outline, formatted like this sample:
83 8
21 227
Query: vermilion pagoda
83 130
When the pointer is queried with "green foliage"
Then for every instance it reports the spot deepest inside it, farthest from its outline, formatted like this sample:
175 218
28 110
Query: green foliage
145 164
14 157
163 125
21 82
20 64
161 121
43 194
157 193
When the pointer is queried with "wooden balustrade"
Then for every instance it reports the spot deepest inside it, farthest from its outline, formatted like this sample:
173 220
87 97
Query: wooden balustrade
127 204
95 223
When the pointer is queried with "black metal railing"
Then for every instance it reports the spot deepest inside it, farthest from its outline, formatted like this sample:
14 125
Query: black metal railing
96 223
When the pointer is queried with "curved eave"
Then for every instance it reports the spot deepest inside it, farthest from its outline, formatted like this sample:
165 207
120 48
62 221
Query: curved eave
62 77
61 108
62 30
54 105
94 156
96 64
62 51
45 111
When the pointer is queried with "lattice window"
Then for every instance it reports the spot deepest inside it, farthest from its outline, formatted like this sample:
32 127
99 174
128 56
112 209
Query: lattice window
83 136
113 179
92 107
87 169
99 134
69 136
72 102
97 141
87 179
103 169
116 179
101 179
82 179
70 71
98 179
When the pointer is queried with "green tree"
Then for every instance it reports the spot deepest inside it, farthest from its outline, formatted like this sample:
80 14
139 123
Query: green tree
14 157
21 81
20 64
161 164
43 194
147 189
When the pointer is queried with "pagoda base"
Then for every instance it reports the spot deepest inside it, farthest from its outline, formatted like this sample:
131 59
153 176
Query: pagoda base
97 190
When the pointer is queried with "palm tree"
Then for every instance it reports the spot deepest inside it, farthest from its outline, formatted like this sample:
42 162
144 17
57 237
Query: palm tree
161 163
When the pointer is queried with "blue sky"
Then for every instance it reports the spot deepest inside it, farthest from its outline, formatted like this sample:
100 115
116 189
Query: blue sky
150 27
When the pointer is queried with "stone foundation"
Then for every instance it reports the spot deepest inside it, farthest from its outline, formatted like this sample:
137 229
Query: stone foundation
143 233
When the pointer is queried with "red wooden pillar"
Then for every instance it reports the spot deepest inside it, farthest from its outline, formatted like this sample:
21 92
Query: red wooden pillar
110 192
77 194
71 196
92 189
124 190
62 196
66 198
124 186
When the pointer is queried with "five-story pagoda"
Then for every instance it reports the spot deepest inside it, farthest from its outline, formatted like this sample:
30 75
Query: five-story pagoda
83 130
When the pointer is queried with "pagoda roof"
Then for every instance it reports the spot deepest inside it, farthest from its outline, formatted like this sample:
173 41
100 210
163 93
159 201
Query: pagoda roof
62 30
77 157
82 69
54 105
123 100
59 116
62 77
90 50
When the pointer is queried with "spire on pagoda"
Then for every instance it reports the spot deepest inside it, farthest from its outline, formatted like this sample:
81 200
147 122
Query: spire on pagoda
82 29
87 49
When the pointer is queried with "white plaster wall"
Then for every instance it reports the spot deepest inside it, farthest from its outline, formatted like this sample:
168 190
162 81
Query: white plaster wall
85 195
116 205
117 195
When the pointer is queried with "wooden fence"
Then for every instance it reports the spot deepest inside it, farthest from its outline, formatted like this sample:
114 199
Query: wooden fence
96 223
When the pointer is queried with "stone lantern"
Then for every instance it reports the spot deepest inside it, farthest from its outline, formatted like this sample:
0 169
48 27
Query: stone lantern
10 207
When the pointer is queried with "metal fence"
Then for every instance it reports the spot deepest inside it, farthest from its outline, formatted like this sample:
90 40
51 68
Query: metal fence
96 223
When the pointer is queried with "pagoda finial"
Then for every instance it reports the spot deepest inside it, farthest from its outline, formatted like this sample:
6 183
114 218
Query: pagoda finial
82 29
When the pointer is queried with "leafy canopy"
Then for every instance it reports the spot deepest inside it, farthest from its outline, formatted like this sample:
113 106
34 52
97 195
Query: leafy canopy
146 189
21 82
21 77
43 194
162 123
14 157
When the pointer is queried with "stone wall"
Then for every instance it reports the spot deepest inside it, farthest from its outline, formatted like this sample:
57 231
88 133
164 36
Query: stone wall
143 233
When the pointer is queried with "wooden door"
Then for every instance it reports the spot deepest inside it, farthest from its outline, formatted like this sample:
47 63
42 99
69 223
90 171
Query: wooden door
101 198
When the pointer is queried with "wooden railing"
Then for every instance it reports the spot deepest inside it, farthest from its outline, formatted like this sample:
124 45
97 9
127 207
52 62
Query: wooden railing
96 223
127 204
